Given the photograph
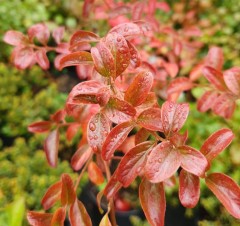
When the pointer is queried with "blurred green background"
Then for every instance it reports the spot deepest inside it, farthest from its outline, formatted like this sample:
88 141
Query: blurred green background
32 95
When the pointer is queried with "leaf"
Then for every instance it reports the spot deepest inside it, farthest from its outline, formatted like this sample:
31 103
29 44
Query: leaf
39 219
103 59
224 105
215 58
105 221
76 58
80 46
80 157
120 51
207 101
23 57
133 163
72 131
153 202
51 147
189 189
95 174
216 143
193 161
173 116
135 58
87 7
52 195
40 32
232 79
196 72
68 194
15 38
115 138
214 77
141 136
40 127
179 85
58 116
226 190
58 34
163 161
83 36
42 59
137 91
171 68
97 131
78 215
58 217
151 119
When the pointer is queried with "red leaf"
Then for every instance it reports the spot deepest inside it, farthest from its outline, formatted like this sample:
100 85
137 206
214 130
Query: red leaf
224 105
41 58
58 116
216 143
153 202
207 101
179 85
40 127
97 131
120 51
115 138
72 131
80 157
39 31
189 189
83 36
226 190
215 58
39 219
232 79
178 139
80 46
141 136
76 58
58 34
95 174
51 147
52 195
119 11
105 221
84 72
173 116
214 77
133 163
87 6
196 72
151 119
171 68
78 215
103 59
23 57
68 194
135 58
193 161
58 217
137 91
162 162
15 38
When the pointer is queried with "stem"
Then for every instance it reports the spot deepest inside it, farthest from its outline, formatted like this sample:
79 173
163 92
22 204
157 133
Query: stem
111 204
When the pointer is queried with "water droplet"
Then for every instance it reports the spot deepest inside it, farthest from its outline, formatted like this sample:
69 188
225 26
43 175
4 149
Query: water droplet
160 160
95 137
126 29
92 126
119 39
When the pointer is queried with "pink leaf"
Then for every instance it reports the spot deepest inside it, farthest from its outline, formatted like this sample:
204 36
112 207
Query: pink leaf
133 163
58 34
83 36
68 194
178 139
72 131
80 157
216 143
23 57
171 68
40 127
76 58
151 119
193 161
207 101
42 59
52 195
58 217
40 32
189 189
97 131
95 174
115 138
135 58
15 38
51 147
141 136
179 85
173 116
137 91
162 162
196 72
153 202
39 219
84 71
78 215
226 190
232 79
215 58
